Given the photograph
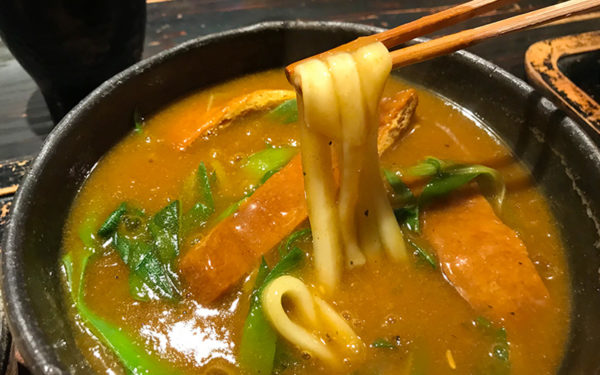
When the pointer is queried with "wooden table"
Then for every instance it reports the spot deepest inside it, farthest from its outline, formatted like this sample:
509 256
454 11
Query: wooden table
24 119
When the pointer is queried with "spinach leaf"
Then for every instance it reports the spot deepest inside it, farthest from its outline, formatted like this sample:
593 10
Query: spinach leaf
286 112
110 225
164 228
148 246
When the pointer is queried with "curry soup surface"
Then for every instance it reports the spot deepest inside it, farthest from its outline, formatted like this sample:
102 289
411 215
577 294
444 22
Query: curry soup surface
410 305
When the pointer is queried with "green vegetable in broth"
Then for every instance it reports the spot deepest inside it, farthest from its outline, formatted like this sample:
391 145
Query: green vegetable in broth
257 349
138 121
110 225
259 340
407 211
201 193
382 343
288 244
206 196
134 357
286 112
261 165
164 228
268 160
422 250
446 177
497 360
449 176
148 246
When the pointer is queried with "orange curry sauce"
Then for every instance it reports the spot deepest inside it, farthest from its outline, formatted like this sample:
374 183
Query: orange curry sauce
410 304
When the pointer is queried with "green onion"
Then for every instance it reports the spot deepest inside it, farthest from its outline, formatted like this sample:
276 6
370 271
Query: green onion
138 121
497 360
286 112
408 212
134 357
199 190
259 339
265 161
206 195
421 250
300 235
446 177
402 194
110 225
382 343
231 209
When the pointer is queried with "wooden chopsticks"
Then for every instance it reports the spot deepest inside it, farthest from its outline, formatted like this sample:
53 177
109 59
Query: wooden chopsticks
453 42
422 26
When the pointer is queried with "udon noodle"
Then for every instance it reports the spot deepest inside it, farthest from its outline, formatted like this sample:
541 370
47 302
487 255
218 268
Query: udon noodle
338 101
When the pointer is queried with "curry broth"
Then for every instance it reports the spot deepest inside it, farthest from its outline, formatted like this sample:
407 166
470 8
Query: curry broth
410 304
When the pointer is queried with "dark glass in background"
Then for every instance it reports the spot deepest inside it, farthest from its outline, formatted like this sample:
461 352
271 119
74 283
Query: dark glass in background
69 47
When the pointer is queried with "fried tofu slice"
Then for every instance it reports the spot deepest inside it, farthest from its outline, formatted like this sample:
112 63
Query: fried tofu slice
483 258
256 101
234 246
395 114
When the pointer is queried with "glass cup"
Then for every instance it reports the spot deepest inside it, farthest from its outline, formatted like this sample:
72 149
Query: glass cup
69 47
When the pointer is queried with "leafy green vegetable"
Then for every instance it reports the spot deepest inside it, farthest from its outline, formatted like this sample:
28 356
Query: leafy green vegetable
231 208
259 340
142 259
382 343
257 349
148 246
111 223
300 235
407 212
87 231
206 195
421 249
448 176
265 161
198 190
138 121
164 229
443 185
134 357
497 361
286 112
402 194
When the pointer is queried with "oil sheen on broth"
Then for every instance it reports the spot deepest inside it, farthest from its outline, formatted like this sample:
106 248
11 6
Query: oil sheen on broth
407 314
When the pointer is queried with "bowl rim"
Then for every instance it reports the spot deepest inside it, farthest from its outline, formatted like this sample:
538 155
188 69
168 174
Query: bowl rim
27 335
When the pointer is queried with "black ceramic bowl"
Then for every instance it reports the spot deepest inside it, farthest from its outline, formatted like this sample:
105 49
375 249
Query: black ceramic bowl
563 160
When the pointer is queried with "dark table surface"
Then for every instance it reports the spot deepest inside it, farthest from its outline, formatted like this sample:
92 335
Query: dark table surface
25 121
